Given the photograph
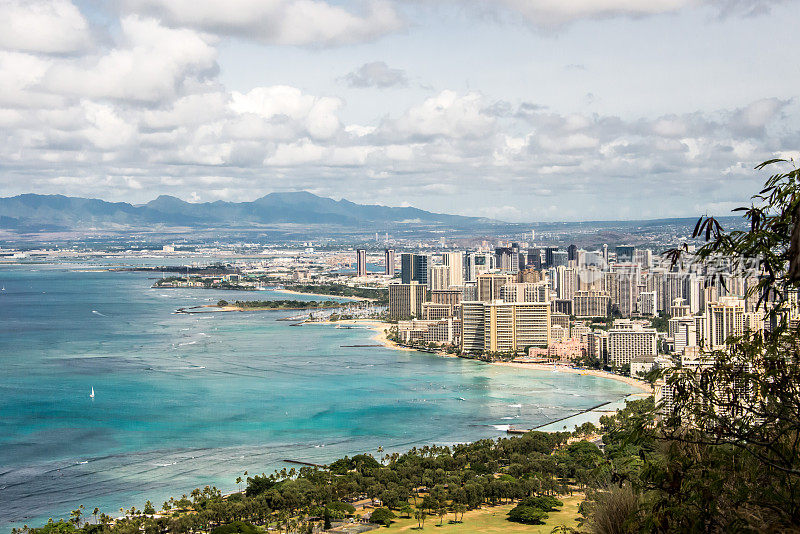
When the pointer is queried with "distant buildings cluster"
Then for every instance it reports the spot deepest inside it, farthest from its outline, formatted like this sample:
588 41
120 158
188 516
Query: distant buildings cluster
565 304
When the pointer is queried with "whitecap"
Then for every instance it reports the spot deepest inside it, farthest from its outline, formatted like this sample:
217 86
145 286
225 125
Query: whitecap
501 427
515 406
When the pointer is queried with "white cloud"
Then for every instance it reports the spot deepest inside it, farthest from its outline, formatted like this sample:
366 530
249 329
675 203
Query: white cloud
151 64
46 26
445 115
286 22
279 104
147 113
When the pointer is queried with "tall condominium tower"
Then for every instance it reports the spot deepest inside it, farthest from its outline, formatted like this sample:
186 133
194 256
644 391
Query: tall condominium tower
414 268
361 262
389 259
455 264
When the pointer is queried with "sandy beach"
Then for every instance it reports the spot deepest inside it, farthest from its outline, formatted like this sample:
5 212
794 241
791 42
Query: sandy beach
644 386
380 336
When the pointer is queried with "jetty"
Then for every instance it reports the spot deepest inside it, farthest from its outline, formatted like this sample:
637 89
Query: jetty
307 464
512 430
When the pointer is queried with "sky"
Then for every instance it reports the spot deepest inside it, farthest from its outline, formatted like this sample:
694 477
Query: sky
521 110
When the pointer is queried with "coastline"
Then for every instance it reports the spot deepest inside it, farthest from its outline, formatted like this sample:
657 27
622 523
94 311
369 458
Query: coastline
644 386
213 308
380 336
377 327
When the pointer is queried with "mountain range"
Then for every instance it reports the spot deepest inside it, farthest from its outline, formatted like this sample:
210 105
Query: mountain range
52 213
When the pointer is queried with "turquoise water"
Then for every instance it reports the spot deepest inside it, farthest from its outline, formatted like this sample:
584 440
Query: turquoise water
188 400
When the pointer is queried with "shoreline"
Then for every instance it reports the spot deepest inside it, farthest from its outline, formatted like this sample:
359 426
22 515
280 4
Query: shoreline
644 386
378 328
213 308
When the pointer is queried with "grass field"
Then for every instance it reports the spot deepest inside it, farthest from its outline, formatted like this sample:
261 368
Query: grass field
492 519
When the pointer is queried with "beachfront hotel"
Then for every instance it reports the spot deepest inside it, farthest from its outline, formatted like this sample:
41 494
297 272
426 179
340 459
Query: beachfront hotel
500 326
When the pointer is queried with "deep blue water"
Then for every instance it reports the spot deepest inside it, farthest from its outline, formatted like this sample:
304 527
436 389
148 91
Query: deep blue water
188 400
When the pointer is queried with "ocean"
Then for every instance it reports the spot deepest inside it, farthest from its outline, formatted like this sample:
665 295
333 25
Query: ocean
183 401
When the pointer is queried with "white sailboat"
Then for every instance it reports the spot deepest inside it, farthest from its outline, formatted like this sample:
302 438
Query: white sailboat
91 395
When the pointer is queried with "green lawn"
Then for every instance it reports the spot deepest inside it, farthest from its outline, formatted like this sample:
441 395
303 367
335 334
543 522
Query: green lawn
492 519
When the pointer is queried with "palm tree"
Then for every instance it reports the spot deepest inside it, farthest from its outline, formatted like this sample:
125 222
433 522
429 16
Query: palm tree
94 513
75 517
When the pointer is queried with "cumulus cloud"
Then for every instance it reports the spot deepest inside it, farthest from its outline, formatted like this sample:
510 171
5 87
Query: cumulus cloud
146 113
47 26
284 105
152 63
377 74
285 22
446 115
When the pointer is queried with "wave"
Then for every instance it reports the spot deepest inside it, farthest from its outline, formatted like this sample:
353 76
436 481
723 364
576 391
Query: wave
501 427
515 406
98 313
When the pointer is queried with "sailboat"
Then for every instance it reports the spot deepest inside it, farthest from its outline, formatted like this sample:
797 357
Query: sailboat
91 395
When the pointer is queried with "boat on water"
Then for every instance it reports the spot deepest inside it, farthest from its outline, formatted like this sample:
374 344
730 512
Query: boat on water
91 395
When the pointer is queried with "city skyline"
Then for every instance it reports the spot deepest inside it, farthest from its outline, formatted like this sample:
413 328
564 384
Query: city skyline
520 111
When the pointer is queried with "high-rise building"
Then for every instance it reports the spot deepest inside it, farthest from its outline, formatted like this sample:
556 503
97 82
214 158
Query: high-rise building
567 283
454 262
679 308
476 263
548 256
627 341
489 285
472 335
439 277
591 304
414 268
469 291
646 303
625 254
683 331
451 297
572 253
534 258
507 258
361 262
643 257
504 326
561 306
723 319
405 300
388 256
525 292
627 288
559 258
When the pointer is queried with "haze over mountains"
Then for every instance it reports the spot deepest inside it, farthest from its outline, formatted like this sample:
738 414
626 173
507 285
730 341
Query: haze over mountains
50 213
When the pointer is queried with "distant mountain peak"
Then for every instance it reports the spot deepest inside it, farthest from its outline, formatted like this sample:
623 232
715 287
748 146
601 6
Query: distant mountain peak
285 207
